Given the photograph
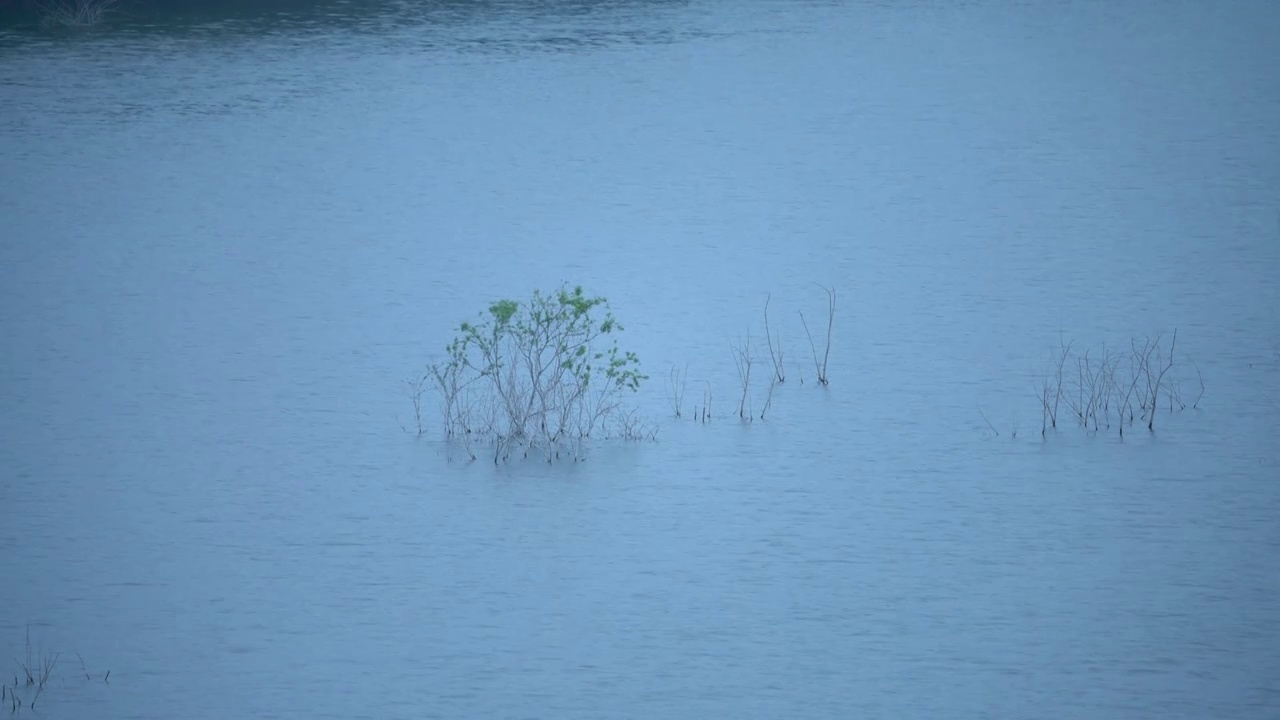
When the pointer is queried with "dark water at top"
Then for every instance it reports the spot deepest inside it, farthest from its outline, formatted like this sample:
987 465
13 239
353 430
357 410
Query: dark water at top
227 238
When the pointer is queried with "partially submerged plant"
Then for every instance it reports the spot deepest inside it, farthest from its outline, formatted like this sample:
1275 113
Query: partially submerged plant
36 669
821 367
75 13
703 413
775 354
676 382
415 390
1113 386
630 426
743 360
543 375
994 431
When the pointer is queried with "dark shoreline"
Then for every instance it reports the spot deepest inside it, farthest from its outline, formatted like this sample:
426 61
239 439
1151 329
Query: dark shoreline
24 15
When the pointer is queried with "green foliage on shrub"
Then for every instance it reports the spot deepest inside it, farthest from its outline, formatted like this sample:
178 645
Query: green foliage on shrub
544 374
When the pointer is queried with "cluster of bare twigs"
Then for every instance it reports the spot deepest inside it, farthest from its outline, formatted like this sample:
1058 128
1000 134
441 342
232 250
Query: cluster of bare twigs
36 670
676 383
703 413
415 390
35 674
629 425
745 359
75 13
821 367
1097 389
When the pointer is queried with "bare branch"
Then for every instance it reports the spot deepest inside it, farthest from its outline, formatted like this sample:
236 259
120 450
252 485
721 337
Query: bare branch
779 373
988 422
676 383
821 366
743 360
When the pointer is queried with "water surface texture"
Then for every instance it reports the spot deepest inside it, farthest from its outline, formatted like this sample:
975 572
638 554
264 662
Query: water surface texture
228 236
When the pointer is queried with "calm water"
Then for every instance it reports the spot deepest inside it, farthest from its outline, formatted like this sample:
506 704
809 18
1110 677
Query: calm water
226 240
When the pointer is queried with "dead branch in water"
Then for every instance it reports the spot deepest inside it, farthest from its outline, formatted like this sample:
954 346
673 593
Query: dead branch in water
775 354
988 422
676 382
743 360
821 366
1100 386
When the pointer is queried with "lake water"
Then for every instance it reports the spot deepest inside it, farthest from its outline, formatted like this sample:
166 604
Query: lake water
228 237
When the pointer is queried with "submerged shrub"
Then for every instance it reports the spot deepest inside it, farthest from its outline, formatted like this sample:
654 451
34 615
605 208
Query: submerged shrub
75 13
544 375
1097 386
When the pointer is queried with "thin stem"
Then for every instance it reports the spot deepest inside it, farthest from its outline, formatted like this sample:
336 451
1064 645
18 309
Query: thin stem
779 373
988 422
1195 405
